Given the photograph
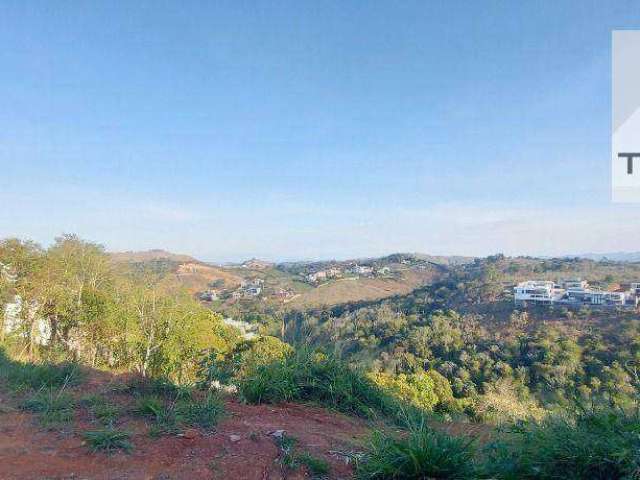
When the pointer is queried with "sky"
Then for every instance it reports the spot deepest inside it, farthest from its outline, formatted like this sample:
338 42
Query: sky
290 130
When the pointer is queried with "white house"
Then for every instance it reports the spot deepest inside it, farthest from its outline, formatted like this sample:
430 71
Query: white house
531 291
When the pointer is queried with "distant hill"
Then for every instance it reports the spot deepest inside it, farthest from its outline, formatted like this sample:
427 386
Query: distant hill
614 256
148 255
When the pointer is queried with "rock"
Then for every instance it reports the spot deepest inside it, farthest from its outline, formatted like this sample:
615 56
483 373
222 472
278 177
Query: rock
235 438
277 433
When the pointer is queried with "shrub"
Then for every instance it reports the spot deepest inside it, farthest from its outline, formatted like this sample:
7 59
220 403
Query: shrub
595 445
159 387
311 376
53 407
108 440
21 376
171 416
204 413
416 389
293 459
245 356
149 405
316 466
422 454
504 402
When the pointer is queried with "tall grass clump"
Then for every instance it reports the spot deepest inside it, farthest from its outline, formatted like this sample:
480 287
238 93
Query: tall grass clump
594 445
420 454
54 407
203 413
20 376
108 440
307 375
178 409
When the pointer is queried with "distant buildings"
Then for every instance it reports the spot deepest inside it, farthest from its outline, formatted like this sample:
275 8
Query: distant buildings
573 293
248 289
361 270
209 296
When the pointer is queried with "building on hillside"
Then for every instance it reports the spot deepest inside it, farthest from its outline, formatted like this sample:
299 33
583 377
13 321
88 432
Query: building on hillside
316 276
252 291
237 294
208 296
252 282
573 293
537 292
334 272
283 294
575 284
361 270
247 330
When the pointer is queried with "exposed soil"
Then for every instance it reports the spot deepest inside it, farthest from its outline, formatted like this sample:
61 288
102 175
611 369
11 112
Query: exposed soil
241 447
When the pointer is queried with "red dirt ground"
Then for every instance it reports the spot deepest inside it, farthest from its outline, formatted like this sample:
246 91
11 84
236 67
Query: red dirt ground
29 452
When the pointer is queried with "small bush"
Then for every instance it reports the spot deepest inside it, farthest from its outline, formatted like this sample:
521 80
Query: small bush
159 387
106 413
316 466
293 459
171 416
149 405
103 411
595 445
23 376
311 376
204 413
424 453
108 440
53 407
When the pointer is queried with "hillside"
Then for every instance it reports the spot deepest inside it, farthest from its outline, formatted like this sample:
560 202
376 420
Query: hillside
148 255
287 285
350 290
241 446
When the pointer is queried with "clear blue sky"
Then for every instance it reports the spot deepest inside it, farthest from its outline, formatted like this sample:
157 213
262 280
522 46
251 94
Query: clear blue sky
302 129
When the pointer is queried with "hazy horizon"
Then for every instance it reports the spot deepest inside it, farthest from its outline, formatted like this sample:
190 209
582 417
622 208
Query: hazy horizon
311 131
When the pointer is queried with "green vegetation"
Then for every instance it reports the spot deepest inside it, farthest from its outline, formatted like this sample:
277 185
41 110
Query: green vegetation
20 376
76 303
598 445
104 412
456 348
500 364
424 453
108 440
311 376
54 407
292 458
171 414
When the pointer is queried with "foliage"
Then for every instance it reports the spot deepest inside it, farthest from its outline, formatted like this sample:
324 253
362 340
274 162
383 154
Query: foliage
417 389
308 375
172 414
72 300
502 402
108 440
244 357
103 411
204 413
595 444
54 407
290 457
20 375
423 453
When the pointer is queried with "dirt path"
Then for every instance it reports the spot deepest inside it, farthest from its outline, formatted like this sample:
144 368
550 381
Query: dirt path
241 448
